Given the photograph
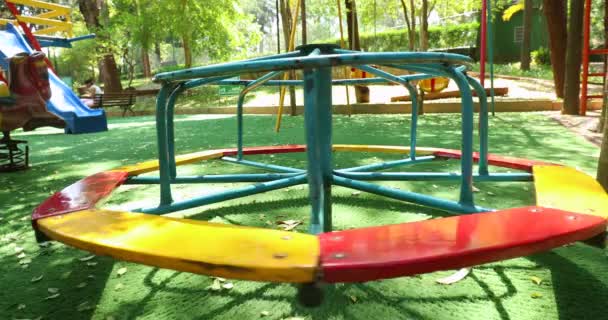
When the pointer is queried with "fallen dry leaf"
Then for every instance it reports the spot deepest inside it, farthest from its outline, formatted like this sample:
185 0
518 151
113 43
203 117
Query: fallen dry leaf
536 280
87 258
215 286
121 271
289 225
264 313
453 278
228 285
52 290
21 306
536 295
81 285
91 264
53 296
38 278
21 255
353 299
84 306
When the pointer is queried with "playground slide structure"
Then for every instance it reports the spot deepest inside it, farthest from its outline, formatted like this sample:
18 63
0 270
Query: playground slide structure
64 103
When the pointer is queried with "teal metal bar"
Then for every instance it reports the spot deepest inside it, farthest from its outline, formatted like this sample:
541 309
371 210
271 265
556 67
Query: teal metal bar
466 161
388 164
163 152
407 196
414 124
336 82
322 61
432 176
171 129
239 107
317 120
490 24
272 167
228 195
483 124
217 178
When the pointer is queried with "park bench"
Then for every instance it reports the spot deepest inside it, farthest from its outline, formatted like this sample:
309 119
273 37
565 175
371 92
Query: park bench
124 100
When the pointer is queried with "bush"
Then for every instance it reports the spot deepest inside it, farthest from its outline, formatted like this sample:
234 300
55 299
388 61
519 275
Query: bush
449 36
541 56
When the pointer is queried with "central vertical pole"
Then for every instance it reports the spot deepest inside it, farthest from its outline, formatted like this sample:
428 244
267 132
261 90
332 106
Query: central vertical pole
317 116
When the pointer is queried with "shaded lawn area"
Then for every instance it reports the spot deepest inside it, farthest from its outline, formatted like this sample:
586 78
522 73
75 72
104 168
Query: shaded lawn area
574 278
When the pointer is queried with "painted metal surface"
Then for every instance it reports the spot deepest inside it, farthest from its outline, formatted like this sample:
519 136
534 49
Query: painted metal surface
408 196
434 59
81 195
318 126
569 189
228 195
506 162
206 248
449 243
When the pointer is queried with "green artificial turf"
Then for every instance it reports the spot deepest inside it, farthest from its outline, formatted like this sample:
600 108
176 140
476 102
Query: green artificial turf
573 279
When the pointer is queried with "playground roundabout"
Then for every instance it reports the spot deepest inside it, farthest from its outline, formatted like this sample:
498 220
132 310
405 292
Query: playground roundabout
570 206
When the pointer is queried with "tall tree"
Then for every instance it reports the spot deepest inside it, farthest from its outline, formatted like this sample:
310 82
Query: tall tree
287 21
556 17
574 53
409 15
354 43
95 13
525 44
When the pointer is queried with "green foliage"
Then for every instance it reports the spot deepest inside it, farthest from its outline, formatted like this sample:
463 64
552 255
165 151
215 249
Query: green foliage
450 36
542 56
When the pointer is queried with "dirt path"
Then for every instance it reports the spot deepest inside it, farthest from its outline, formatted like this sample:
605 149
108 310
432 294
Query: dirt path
583 126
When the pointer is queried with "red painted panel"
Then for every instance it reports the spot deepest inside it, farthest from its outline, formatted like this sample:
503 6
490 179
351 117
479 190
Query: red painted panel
507 162
81 195
420 247
267 149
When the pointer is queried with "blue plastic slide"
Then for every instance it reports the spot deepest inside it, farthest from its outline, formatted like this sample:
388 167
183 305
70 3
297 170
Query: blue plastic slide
64 103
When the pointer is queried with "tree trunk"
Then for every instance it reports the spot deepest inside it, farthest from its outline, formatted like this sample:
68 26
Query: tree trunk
157 52
187 51
287 21
108 71
574 53
602 166
525 44
354 43
413 22
109 74
145 60
602 122
424 26
411 36
555 14
353 25
303 8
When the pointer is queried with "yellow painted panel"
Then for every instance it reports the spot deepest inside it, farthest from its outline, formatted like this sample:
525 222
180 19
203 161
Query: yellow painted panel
378 148
189 245
45 22
570 190
41 4
53 14
152 165
7 21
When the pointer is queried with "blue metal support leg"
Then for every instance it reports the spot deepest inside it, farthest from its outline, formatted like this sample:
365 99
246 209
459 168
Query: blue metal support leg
317 117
